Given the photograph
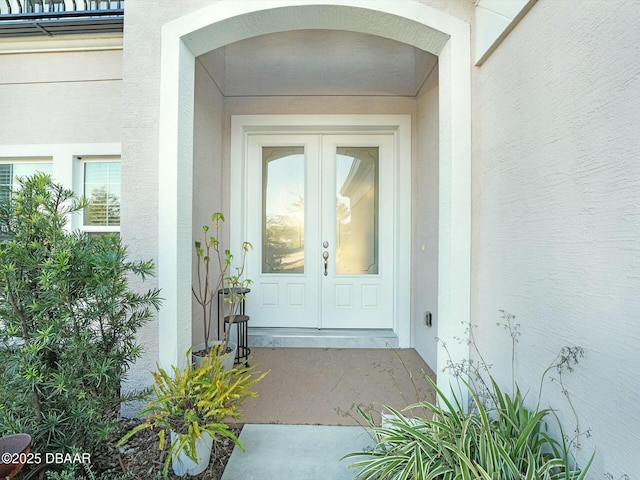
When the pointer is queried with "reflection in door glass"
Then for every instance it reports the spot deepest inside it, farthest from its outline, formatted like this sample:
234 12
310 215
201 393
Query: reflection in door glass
282 210
357 210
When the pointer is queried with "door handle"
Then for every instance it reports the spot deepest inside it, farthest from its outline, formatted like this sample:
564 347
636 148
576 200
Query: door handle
325 255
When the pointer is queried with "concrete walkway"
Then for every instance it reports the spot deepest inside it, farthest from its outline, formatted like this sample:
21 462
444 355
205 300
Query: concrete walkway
295 452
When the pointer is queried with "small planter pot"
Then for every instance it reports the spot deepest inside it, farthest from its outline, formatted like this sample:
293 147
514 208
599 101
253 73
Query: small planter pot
182 465
14 445
229 358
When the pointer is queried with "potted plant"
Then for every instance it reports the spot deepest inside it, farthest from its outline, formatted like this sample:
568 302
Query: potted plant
192 404
214 278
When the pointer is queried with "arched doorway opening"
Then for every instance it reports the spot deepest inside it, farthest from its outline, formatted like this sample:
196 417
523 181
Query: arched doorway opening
406 21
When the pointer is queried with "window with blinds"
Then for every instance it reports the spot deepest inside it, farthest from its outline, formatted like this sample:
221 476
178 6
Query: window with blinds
9 172
6 180
102 189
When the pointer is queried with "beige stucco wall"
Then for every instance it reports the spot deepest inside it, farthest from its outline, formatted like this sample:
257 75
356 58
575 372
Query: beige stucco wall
556 227
51 97
424 237
140 137
207 167
61 99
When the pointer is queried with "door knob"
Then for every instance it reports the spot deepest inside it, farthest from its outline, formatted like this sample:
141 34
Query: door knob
325 255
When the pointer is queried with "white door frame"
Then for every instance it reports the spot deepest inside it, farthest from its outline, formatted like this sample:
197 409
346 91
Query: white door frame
397 125
224 22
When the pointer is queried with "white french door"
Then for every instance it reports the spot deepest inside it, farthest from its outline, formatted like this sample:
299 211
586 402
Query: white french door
320 214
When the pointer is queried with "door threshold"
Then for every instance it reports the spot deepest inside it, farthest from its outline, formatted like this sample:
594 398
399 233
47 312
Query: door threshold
326 338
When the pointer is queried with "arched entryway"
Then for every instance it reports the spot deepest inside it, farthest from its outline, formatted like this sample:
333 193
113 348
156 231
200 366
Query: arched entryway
223 23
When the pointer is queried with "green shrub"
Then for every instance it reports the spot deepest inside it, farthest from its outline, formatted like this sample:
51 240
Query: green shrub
68 320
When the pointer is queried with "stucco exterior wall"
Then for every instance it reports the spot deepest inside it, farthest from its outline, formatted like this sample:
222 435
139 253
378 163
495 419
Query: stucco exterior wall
59 96
207 167
556 226
139 213
424 261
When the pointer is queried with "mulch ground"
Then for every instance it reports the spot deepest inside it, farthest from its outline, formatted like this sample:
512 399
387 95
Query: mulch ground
141 455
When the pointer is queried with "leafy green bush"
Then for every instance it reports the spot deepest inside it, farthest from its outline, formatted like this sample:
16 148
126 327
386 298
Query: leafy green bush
68 320
497 438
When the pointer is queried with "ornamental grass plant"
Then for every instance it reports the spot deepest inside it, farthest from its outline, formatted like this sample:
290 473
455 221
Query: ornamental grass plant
496 438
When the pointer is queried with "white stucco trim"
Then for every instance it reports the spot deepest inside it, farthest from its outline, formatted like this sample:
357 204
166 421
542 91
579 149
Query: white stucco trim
454 221
69 43
62 156
494 20
398 125
408 21
175 178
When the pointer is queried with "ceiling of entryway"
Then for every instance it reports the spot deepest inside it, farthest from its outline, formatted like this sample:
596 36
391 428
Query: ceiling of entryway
318 62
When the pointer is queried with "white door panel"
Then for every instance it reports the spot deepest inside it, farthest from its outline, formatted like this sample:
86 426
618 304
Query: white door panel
357 194
282 197
310 195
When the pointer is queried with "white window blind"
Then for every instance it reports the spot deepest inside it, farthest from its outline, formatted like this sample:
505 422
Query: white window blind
102 189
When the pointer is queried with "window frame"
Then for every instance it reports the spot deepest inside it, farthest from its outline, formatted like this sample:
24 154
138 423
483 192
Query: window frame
79 188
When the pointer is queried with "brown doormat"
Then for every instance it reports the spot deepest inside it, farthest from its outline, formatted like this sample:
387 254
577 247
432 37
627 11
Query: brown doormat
309 386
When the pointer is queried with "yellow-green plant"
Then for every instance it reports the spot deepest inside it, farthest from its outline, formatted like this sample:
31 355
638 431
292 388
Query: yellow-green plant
197 400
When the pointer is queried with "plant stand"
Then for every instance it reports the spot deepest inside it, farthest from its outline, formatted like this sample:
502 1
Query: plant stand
242 338
241 322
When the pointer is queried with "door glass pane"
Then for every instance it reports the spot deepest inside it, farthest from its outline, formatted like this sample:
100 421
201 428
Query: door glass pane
357 210
283 209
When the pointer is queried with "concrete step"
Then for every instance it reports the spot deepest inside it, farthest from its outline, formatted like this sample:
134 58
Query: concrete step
321 338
